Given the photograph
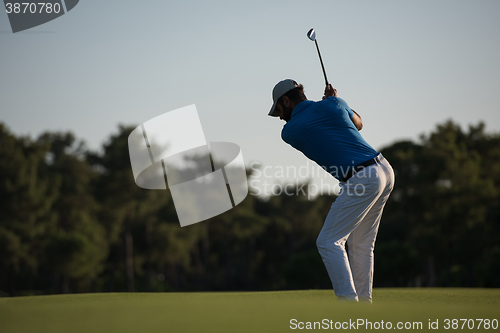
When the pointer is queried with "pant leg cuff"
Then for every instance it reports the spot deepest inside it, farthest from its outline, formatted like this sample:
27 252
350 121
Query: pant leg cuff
347 299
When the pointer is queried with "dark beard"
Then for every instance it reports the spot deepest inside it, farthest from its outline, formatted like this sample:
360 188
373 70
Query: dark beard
287 113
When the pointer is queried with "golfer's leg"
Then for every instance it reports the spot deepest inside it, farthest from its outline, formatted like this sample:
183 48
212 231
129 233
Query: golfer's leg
361 242
345 215
331 247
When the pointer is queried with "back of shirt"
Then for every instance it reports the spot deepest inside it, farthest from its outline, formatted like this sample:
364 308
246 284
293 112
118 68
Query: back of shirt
325 133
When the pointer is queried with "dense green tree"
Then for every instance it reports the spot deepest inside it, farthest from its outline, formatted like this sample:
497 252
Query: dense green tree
76 243
75 221
130 215
26 201
444 211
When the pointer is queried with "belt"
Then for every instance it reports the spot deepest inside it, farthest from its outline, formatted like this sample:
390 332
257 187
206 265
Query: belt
361 166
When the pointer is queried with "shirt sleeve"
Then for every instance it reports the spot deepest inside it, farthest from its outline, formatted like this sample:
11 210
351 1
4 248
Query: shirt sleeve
349 112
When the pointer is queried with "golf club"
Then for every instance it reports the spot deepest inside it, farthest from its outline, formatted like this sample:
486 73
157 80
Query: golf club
311 34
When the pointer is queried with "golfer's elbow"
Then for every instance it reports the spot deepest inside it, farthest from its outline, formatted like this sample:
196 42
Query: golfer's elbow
356 120
359 125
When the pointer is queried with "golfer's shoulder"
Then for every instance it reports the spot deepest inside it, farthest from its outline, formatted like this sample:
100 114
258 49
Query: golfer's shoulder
294 126
286 133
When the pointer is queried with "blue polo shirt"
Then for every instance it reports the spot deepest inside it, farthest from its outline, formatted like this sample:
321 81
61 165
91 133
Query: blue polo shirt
325 133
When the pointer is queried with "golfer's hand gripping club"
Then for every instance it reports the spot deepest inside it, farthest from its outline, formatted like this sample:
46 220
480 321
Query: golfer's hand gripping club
330 91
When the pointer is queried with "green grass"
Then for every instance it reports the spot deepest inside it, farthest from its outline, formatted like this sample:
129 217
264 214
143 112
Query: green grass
238 311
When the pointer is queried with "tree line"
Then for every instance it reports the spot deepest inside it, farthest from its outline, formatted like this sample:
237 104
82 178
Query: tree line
73 220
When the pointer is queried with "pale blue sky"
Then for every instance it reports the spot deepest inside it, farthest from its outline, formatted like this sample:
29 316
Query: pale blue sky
403 65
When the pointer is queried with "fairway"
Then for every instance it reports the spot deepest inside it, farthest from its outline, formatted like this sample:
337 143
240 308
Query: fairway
248 311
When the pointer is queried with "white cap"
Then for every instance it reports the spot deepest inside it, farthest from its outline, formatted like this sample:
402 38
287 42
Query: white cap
279 90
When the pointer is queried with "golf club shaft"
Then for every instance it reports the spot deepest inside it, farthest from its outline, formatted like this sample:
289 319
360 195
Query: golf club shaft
321 60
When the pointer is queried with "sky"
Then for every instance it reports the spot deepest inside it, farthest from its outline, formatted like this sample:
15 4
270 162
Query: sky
404 66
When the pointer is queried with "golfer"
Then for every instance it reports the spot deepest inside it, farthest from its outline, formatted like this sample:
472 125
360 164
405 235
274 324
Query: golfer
327 132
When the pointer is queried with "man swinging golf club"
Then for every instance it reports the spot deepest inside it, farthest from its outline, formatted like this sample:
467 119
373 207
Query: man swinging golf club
327 132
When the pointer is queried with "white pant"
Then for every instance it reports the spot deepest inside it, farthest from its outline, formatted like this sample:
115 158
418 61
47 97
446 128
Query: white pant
355 217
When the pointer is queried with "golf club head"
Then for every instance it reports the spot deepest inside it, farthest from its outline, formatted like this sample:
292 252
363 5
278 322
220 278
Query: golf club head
311 34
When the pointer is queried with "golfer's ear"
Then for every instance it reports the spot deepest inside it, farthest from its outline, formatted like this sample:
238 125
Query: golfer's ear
286 101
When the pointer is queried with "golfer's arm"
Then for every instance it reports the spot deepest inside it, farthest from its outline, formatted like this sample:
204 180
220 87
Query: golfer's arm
356 119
